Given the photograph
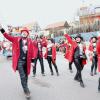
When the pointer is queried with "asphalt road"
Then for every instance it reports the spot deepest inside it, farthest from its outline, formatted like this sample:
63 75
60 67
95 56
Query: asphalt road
48 87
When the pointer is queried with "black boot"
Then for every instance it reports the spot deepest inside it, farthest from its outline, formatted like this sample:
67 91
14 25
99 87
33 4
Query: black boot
43 74
52 73
76 78
99 85
71 71
82 84
27 94
34 75
95 73
57 73
91 73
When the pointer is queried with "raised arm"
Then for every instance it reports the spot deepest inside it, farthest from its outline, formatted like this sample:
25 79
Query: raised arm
70 40
6 35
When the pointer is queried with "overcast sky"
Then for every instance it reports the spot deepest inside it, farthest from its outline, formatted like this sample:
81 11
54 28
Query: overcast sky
18 12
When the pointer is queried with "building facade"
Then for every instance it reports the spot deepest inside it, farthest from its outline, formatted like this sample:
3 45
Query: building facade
89 15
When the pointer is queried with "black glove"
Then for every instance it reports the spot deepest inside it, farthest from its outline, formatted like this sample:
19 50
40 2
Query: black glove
2 30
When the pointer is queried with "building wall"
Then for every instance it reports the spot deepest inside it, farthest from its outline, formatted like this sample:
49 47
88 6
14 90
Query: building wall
88 14
89 19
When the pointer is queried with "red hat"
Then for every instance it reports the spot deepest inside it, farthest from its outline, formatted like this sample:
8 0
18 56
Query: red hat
25 29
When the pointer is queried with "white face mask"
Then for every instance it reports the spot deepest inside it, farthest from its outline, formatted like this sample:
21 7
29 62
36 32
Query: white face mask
49 42
49 45
24 34
78 40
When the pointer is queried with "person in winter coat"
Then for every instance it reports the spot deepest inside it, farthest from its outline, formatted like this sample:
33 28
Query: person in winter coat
98 56
67 55
37 54
50 55
77 54
21 52
93 55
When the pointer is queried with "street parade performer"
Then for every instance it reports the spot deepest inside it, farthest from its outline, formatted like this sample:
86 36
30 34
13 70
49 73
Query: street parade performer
98 55
78 56
50 55
37 54
93 55
21 52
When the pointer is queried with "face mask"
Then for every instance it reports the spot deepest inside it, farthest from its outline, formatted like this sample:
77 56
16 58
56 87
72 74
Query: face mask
24 35
94 41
